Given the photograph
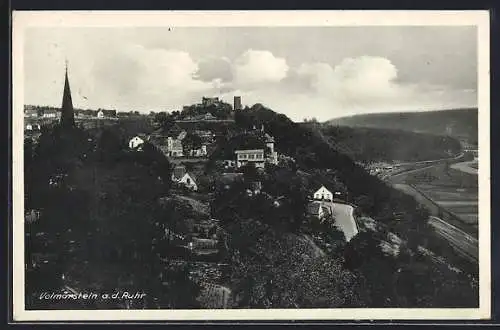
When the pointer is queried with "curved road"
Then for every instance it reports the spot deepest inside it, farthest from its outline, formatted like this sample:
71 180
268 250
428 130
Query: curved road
463 243
343 215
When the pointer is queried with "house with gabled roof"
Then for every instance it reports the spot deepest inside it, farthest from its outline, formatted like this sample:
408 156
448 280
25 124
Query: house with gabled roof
323 194
181 176
136 143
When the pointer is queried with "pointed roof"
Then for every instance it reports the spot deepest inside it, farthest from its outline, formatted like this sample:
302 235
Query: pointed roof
67 112
191 176
323 189
179 171
268 138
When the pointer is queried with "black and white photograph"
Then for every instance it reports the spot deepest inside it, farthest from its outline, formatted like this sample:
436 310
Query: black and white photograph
251 165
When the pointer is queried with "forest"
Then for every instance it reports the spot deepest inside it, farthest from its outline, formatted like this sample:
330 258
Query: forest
386 145
100 219
458 123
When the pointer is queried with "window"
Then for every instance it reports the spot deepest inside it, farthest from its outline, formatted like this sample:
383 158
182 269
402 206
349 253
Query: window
242 156
251 156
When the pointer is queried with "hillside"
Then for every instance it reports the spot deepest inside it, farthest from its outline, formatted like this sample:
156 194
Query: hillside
374 199
366 144
459 123
122 204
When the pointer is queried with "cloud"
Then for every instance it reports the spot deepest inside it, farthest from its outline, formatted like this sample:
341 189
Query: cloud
362 79
116 72
139 78
355 85
258 66
214 68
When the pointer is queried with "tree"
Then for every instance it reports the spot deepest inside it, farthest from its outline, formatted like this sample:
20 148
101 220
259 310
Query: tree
109 145
365 203
165 120
221 110
250 172
191 142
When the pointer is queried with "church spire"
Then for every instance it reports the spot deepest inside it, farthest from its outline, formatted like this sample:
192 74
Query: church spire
67 113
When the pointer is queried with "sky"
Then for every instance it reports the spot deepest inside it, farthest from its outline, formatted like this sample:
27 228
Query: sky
303 72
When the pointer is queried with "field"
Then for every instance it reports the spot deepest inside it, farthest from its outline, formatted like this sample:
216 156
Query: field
463 204
452 190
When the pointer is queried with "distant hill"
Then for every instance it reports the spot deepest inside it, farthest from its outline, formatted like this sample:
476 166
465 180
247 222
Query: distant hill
367 144
459 123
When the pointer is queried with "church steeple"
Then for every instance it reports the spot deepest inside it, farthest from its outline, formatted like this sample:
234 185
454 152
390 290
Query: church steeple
67 113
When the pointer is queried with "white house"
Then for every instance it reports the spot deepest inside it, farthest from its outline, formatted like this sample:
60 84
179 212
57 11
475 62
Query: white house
188 181
100 114
179 175
229 163
272 156
174 147
200 152
323 194
50 113
254 156
135 143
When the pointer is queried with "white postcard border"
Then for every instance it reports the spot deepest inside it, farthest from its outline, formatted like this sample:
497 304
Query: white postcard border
26 19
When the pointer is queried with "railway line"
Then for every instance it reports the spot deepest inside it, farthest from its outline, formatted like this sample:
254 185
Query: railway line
465 244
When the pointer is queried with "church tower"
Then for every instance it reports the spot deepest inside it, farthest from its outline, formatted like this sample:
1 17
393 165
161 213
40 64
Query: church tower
67 112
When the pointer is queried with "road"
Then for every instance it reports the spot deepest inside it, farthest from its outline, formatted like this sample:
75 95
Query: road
460 240
397 177
343 215
464 243
434 161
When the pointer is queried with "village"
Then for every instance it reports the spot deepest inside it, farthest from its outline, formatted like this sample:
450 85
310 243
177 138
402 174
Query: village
188 160
189 145
205 238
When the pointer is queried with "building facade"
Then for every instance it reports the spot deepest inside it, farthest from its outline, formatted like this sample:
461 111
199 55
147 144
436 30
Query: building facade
272 155
323 194
50 113
254 156
237 103
174 147
180 176
30 112
135 143
206 101
200 152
